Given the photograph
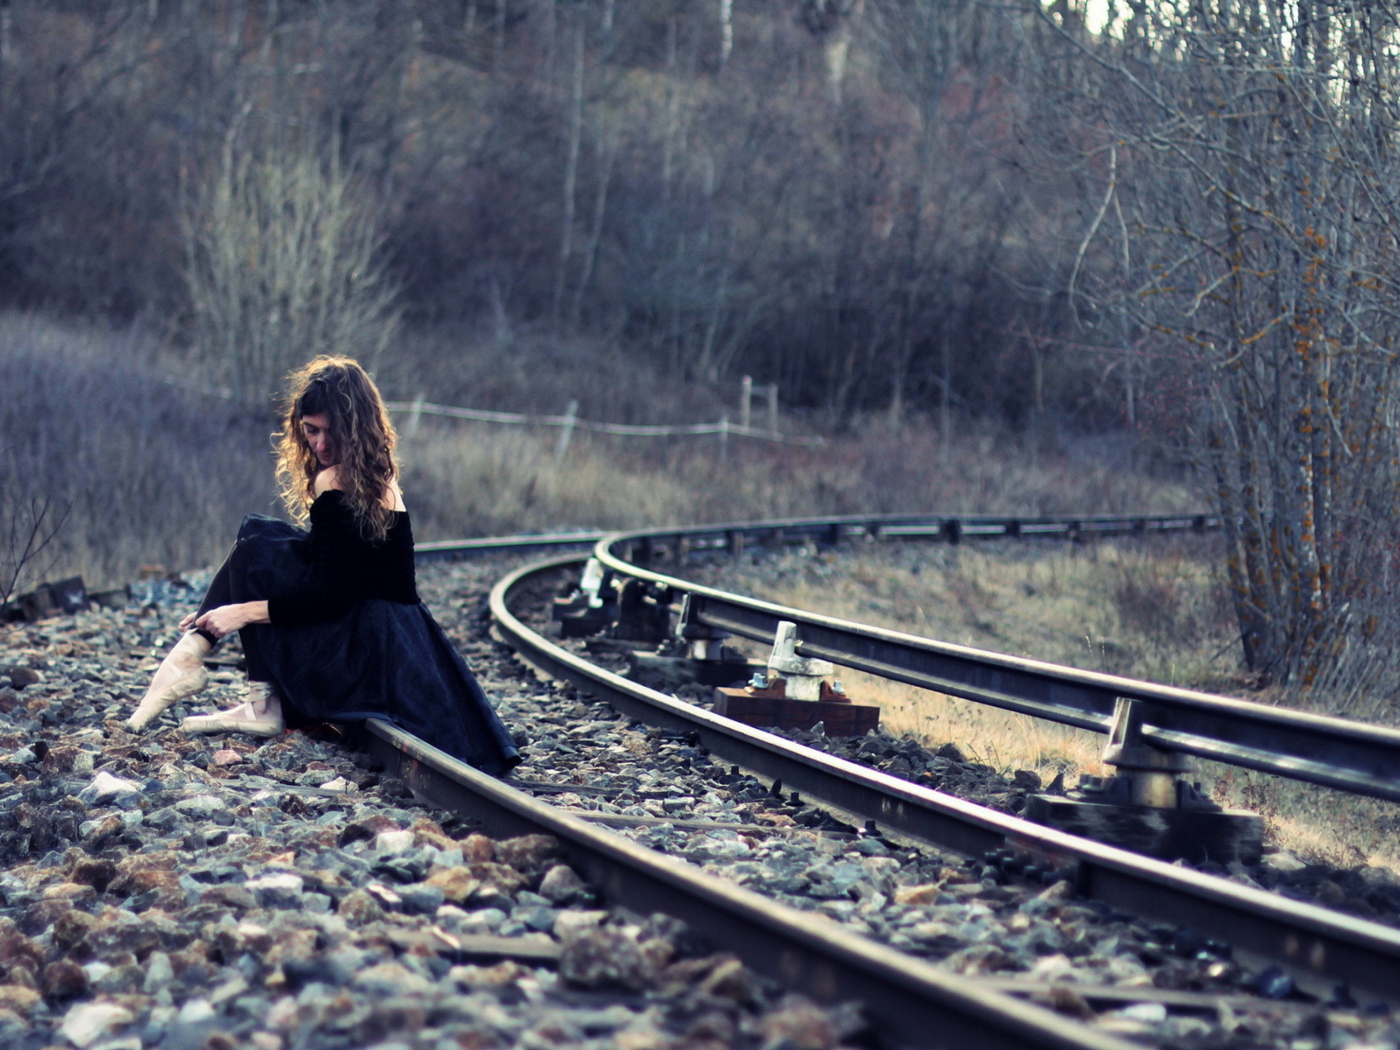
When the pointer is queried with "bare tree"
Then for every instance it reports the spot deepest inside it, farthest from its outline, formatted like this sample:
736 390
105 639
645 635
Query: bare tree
28 527
1248 147
843 209
284 262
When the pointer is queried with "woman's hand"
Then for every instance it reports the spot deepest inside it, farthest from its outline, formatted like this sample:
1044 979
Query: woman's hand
228 618
188 622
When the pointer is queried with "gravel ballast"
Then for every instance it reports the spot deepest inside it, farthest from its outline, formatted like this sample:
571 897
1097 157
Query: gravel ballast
173 891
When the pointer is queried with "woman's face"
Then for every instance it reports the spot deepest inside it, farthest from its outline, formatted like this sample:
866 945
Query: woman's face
316 430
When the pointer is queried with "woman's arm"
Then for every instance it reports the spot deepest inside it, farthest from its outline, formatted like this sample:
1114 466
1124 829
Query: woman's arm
338 556
228 618
332 588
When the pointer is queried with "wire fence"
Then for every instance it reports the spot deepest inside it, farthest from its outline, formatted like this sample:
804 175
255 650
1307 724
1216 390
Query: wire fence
570 421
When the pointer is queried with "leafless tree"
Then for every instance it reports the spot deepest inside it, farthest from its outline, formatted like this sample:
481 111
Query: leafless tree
28 527
1246 154
285 262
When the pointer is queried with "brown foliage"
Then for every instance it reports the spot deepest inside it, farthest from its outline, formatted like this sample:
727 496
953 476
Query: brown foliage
827 195
1245 230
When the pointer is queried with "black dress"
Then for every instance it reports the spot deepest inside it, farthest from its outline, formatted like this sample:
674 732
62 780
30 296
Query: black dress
349 638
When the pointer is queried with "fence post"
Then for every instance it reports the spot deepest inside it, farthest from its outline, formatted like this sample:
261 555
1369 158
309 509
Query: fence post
415 415
724 437
745 399
773 409
566 433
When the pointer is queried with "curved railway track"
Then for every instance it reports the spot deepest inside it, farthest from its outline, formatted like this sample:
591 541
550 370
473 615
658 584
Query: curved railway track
262 886
910 998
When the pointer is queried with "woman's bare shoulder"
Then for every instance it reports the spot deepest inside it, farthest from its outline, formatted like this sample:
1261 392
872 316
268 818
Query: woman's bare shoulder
326 480
393 496
330 479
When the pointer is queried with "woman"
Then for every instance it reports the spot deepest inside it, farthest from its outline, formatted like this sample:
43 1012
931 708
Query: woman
330 620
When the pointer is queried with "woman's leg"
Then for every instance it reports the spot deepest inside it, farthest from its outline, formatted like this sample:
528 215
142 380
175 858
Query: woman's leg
180 674
229 587
261 711
223 590
260 714
219 592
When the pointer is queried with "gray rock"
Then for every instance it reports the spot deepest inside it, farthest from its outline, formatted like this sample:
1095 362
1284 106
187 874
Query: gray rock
392 978
539 918
191 1026
560 883
85 1023
159 973
281 889
105 787
393 843
612 956
421 899
201 807
486 920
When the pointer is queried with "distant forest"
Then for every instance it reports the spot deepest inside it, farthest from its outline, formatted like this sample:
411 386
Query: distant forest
1177 216
842 196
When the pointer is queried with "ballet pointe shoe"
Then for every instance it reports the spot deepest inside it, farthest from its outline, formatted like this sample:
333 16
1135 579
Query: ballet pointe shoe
259 715
181 674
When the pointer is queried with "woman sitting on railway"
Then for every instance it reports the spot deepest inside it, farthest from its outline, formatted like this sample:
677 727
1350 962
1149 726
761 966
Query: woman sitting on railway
330 620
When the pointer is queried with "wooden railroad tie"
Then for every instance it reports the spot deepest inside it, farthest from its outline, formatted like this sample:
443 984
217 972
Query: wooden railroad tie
770 706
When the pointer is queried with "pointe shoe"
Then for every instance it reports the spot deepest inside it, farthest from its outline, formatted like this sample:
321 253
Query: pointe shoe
186 664
260 715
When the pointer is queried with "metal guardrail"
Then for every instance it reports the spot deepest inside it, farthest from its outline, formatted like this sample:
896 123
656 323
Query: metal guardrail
831 530
1351 756
951 528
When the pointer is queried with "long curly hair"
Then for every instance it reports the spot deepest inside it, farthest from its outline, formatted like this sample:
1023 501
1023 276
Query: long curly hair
360 432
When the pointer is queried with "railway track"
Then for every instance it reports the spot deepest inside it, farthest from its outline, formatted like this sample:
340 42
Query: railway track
921 899
1321 949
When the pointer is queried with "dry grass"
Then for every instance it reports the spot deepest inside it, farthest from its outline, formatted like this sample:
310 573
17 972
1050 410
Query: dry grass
484 481
1143 608
1146 608
478 479
147 472
160 473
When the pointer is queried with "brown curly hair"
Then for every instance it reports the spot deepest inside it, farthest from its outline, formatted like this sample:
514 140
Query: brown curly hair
360 432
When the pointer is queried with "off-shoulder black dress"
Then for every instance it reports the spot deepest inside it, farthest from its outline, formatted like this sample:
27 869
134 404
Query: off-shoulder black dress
349 638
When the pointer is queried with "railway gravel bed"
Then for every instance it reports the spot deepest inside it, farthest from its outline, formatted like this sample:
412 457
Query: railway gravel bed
203 893
283 895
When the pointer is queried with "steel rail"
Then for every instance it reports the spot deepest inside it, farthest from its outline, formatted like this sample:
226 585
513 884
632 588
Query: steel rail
834 529
909 1001
1356 757
443 550
913 526
1319 947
